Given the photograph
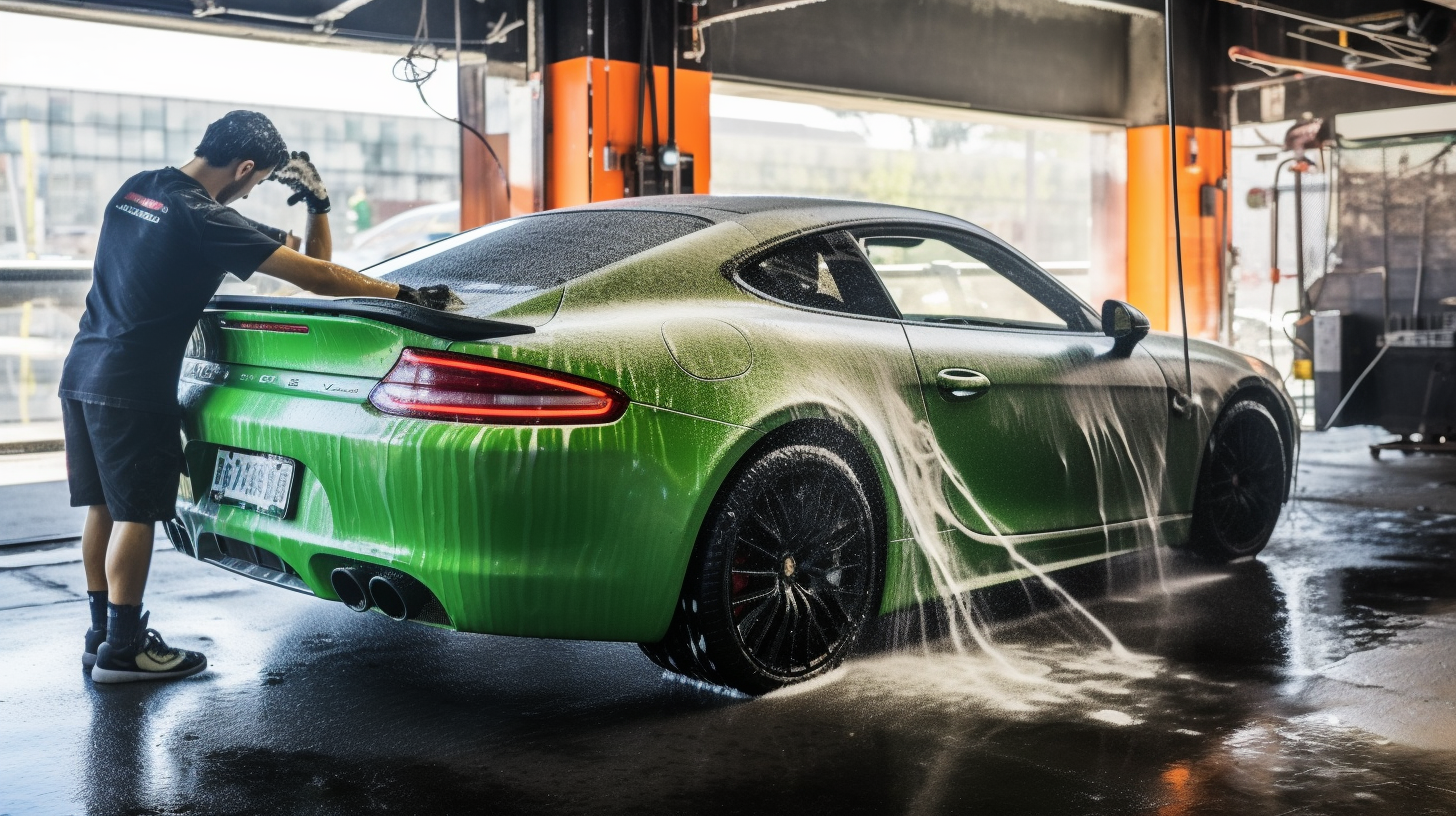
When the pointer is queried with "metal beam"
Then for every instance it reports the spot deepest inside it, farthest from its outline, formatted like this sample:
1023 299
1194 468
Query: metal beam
1403 47
376 26
1138 8
322 22
1270 62
751 9
93 13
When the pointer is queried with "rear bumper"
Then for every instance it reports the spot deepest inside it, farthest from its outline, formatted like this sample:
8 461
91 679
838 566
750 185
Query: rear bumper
544 532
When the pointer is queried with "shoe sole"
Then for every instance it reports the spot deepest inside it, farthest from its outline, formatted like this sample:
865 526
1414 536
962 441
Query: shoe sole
100 675
87 660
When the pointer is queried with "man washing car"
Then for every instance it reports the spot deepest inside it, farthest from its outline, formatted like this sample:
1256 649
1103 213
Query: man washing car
167 240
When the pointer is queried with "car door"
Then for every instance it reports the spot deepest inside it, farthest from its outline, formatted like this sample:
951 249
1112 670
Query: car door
1048 430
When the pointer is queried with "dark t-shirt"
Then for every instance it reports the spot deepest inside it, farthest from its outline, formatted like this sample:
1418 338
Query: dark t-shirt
165 246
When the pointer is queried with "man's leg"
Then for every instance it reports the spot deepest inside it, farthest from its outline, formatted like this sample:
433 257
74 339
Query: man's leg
132 651
128 559
94 538
86 491
139 459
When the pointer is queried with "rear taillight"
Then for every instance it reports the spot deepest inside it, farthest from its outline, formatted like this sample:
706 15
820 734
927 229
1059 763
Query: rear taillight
462 388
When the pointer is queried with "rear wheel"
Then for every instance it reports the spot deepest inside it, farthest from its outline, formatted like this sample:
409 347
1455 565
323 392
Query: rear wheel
786 573
1240 486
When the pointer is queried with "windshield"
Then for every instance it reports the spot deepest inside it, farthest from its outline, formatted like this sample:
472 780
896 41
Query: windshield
499 265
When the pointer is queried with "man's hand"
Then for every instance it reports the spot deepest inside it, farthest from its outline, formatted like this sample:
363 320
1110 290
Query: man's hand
300 176
433 297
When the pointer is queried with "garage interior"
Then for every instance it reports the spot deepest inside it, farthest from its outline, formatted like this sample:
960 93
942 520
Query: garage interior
1288 206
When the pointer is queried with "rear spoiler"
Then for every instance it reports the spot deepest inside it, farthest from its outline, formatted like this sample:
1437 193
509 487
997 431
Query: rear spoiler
394 312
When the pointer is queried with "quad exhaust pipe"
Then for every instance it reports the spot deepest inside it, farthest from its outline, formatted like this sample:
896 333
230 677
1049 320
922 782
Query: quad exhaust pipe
397 595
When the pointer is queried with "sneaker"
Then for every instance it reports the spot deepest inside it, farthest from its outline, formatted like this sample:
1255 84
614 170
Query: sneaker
149 658
94 639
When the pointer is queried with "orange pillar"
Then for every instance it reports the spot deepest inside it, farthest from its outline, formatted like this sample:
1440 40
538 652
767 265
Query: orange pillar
568 145
594 107
1152 270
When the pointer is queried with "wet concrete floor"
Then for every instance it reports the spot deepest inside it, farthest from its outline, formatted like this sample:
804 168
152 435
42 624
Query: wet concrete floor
1318 679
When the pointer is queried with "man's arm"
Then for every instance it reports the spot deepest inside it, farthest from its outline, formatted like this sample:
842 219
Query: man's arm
318 241
313 272
324 278
300 176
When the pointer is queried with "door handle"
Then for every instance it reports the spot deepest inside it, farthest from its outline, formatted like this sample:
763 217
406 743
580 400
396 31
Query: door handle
962 383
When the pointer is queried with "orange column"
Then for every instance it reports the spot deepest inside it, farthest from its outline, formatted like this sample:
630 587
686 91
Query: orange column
568 148
580 132
1149 222
1152 271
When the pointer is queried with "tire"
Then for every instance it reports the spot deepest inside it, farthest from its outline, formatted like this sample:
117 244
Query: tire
788 568
1240 485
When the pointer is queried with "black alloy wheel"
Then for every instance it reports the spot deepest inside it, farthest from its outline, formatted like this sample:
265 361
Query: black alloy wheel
1240 485
787 573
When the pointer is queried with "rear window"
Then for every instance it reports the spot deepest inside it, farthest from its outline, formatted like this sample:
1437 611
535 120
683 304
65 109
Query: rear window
508 262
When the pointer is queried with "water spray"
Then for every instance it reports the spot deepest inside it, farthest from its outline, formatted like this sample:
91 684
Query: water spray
922 475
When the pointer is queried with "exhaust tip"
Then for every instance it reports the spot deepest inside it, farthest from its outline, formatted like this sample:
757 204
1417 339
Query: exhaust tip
349 585
398 595
181 540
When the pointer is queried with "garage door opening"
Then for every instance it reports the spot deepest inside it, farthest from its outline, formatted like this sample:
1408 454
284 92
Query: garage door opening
1055 189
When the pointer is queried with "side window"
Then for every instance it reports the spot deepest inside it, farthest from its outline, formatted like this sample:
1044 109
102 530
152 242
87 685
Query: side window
969 283
821 272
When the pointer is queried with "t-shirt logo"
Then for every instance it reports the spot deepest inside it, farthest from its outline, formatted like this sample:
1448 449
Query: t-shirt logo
150 203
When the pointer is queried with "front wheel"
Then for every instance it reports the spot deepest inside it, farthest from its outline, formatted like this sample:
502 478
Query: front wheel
787 571
1240 486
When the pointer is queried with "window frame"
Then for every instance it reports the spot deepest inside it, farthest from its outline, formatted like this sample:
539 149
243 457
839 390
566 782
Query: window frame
735 268
966 240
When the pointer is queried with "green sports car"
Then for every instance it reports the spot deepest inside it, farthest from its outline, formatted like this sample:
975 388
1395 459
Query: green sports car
731 429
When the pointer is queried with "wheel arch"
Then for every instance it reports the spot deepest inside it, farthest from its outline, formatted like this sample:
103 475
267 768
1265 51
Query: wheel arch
848 441
1259 390
690 645
822 428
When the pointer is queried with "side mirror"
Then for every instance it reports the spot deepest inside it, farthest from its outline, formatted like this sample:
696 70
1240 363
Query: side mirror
1124 324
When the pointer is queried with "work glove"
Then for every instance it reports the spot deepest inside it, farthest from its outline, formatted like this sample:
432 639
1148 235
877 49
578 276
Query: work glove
432 297
300 176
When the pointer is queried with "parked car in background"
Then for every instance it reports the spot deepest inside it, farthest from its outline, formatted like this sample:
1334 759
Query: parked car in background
409 230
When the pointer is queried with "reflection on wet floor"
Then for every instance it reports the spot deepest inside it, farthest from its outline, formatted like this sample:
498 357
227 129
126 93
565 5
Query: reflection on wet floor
1317 679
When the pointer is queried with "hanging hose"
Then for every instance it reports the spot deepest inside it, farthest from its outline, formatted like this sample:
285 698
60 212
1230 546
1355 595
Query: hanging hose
420 63
646 99
641 93
651 70
1274 251
1177 221
671 147
1338 408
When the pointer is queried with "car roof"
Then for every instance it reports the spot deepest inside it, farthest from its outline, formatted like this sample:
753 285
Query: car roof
769 216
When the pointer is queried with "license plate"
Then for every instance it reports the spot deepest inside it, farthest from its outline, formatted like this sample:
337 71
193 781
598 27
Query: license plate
261 482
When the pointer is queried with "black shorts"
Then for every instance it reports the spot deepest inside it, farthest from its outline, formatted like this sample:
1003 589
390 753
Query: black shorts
126 459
